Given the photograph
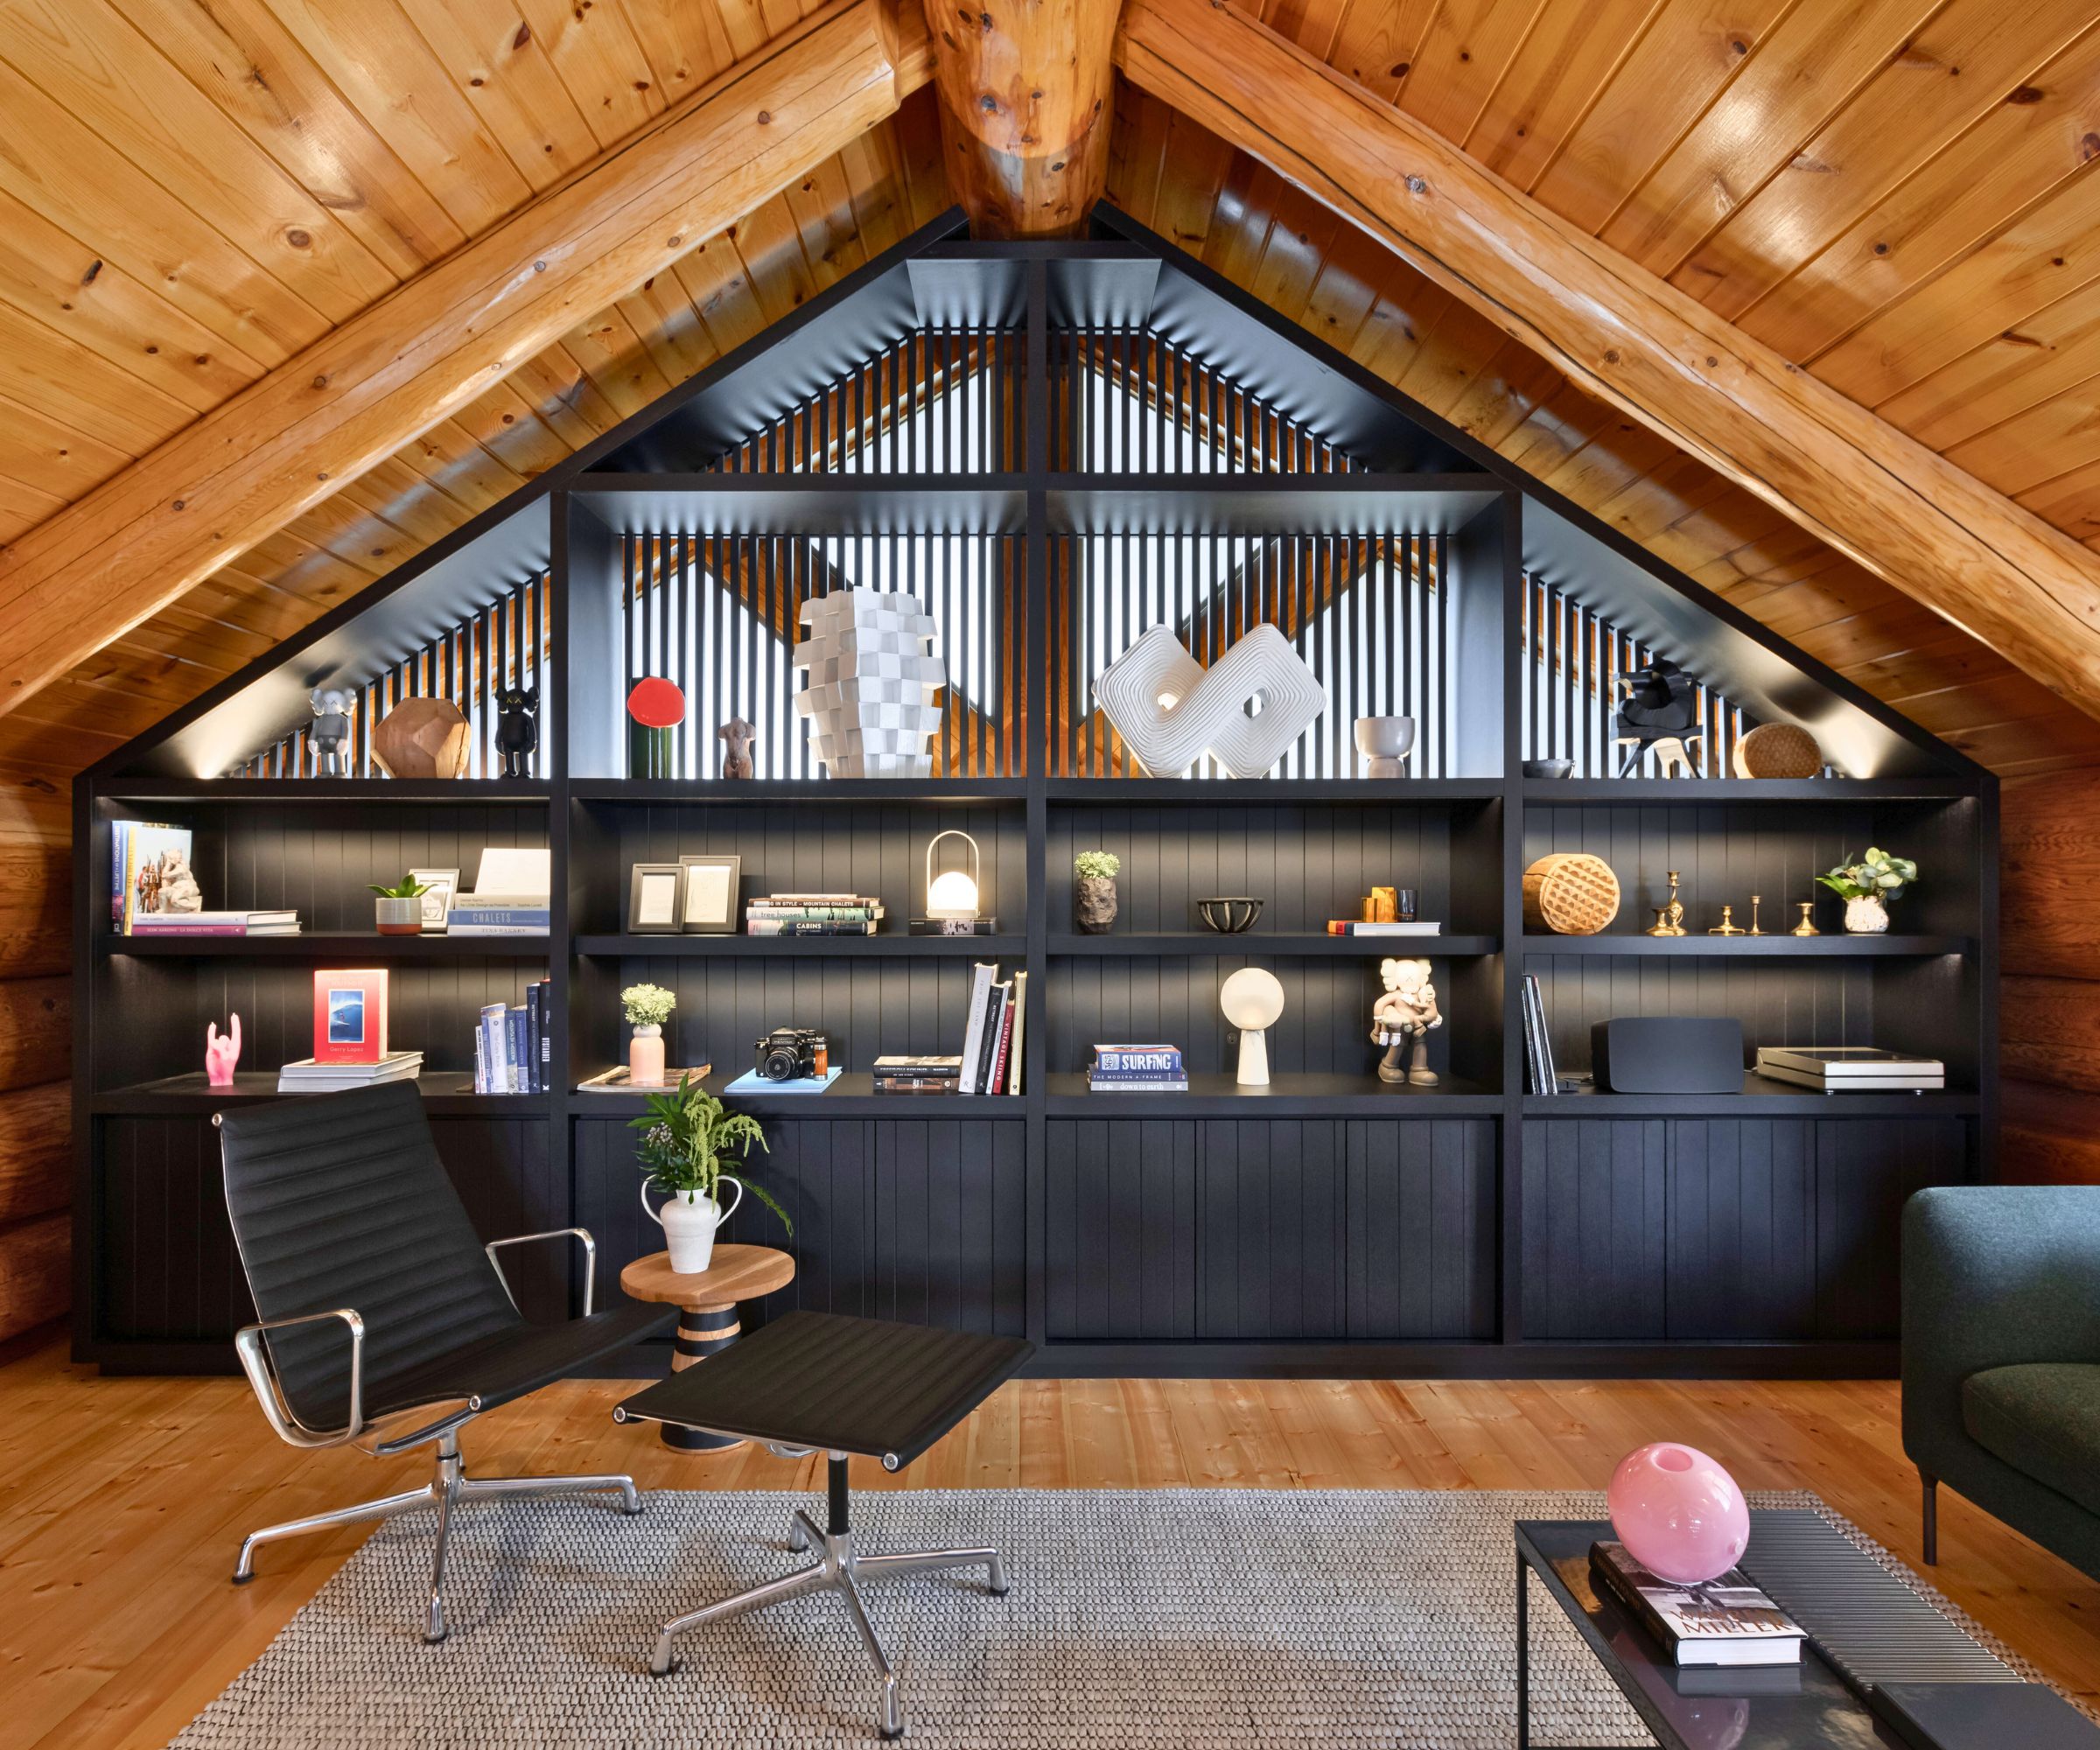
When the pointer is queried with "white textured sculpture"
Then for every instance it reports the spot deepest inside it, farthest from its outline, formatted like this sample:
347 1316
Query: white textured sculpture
1171 710
871 681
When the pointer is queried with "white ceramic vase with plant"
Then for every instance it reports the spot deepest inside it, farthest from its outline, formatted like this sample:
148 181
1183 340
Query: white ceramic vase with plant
648 1007
687 1137
1094 892
398 910
1868 887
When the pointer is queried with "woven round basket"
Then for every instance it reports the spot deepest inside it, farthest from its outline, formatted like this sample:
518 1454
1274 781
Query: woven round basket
1778 750
1570 892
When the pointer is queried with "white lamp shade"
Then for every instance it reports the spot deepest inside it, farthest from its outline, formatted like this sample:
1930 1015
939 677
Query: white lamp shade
1252 998
953 895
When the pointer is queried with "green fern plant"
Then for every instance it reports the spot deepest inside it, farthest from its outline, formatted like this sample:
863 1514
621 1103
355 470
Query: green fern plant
687 1138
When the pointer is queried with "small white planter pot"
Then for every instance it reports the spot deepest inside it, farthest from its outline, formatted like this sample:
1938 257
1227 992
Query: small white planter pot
1866 916
688 1225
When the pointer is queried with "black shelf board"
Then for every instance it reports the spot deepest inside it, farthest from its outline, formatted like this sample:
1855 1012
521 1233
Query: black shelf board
1781 946
1286 1097
852 1095
1650 790
1285 792
456 792
1262 503
892 944
830 791
1255 944
332 945
445 1094
1761 1097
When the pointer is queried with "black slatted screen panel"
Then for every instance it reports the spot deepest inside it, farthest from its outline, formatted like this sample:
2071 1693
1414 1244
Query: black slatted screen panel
1126 401
940 401
507 642
719 615
1575 659
1366 613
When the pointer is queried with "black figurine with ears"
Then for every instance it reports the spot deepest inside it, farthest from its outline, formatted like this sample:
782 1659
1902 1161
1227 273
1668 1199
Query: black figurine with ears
517 728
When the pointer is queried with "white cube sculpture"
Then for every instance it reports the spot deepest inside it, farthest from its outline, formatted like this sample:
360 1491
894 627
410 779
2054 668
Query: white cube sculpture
1171 710
871 679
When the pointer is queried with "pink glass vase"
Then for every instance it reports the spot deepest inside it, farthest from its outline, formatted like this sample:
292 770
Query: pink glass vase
1679 1513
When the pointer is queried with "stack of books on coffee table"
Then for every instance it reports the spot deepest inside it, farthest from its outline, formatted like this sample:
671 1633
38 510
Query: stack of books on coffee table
1137 1069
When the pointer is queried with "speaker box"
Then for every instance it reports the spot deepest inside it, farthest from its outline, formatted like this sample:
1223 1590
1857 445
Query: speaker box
1667 1054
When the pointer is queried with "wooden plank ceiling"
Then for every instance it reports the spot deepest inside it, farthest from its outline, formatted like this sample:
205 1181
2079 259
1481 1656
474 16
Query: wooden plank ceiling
1898 193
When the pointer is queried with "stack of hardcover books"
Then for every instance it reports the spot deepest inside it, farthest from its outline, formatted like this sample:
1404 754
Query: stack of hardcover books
513 1046
1352 927
310 1076
990 1060
1137 1069
1852 1069
500 914
1725 1621
918 1074
812 914
216 923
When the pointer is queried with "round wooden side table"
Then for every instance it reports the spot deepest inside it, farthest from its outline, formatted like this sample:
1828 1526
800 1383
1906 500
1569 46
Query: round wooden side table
707 1310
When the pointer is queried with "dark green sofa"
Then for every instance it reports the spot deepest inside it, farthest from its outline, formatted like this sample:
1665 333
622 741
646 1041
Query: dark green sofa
2001 1357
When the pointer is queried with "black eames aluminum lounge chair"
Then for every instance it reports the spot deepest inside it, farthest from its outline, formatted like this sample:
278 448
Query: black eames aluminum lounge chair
383 1319
819 1382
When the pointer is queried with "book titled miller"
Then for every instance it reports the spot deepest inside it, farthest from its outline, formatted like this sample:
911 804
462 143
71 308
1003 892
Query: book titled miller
1725 1621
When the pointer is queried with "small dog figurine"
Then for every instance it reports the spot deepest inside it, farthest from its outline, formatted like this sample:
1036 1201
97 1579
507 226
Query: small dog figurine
221 1054
517 728
737 762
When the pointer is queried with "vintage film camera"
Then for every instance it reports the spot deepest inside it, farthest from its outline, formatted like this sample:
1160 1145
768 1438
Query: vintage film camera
793 1054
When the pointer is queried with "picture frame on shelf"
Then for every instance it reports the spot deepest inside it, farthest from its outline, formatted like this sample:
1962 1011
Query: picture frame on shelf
653 898
439 887
707 894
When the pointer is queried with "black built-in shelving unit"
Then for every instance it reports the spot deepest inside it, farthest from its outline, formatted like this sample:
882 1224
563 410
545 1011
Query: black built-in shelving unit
1109 437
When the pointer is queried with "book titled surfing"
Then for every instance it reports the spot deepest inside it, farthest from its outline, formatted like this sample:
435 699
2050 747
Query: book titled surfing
1725 1621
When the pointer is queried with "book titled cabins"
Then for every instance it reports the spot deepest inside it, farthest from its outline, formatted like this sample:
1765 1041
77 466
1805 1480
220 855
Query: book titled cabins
1725 1621
795 914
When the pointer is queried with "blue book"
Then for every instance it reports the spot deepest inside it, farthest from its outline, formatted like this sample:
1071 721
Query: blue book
494 1070
519 1049
751 1082
531 1078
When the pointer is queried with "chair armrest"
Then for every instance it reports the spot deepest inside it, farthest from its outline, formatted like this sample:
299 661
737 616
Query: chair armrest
263 1377
590 1260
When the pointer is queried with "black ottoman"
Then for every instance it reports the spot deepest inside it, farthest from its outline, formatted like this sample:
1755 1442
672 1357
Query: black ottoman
814 1382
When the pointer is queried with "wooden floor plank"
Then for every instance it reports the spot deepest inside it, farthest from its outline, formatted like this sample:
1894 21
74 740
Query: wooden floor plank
123 1501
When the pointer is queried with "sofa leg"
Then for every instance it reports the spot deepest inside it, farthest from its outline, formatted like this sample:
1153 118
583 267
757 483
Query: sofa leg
1932 1518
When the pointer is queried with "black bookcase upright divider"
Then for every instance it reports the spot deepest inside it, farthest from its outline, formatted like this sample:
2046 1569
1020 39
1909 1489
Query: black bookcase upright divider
1059 447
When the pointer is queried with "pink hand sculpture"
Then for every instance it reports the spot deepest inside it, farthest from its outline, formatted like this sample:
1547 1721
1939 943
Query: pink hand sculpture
1679 1513
221 1055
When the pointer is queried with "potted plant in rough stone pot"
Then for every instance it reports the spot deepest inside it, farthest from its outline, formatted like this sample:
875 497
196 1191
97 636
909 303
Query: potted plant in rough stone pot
398 910
648 1007
1868 886
687 1137
1093 894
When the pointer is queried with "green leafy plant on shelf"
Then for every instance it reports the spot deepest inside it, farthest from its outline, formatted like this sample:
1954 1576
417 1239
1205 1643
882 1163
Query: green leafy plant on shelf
1876 876
647 1005
407 888
690 1141
1096 865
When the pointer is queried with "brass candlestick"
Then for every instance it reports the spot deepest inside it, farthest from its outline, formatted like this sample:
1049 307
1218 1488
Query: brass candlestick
1753 929
1807 926
1727 925
1670 919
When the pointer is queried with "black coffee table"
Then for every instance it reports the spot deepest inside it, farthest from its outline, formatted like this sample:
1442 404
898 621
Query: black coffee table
1865 1627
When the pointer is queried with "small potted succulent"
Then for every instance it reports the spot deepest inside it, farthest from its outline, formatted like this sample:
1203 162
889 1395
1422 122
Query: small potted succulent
1094 896
648 1007
398 910
1868 886
687 1137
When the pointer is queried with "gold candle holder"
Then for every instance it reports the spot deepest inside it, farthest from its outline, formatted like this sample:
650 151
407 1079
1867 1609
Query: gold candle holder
1807 926
1727 925
1670 919
1754 930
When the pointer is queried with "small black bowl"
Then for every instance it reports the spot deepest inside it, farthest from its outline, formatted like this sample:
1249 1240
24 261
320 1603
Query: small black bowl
1233 916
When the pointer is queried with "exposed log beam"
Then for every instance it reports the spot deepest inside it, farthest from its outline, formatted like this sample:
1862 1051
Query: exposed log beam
1025 103
2024 589
245 470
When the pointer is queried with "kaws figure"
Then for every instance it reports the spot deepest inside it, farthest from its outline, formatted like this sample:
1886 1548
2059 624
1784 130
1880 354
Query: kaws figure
1404 1016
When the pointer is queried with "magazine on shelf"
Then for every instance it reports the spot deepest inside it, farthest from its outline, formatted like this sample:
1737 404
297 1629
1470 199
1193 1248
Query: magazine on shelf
1725 1621
306 1075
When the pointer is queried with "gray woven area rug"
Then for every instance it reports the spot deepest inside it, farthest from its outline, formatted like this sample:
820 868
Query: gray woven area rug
1197 1617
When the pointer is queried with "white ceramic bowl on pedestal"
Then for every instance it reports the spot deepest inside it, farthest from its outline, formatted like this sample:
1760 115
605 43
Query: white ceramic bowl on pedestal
1385 742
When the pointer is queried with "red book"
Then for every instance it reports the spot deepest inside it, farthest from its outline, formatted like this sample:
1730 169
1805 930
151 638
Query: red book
997 1083
350 1015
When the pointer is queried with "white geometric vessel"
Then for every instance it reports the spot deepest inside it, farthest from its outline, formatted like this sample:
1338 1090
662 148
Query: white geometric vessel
871 679
1171 710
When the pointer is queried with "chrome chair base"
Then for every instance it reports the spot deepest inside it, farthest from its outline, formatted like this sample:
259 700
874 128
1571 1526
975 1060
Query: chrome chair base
840 1568
451 1486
